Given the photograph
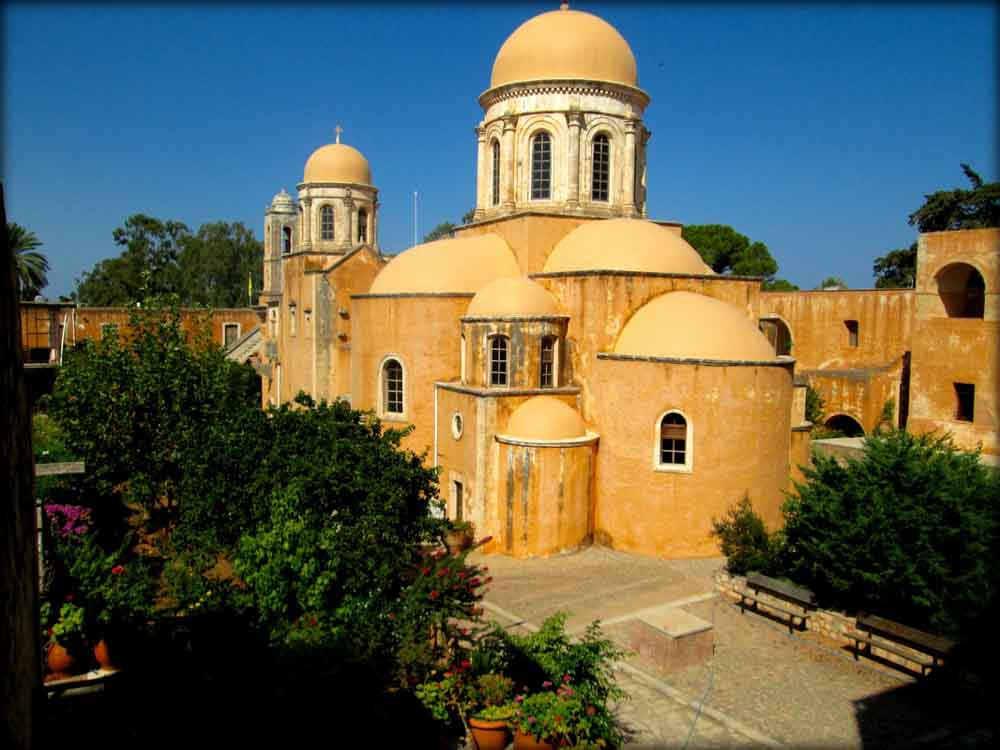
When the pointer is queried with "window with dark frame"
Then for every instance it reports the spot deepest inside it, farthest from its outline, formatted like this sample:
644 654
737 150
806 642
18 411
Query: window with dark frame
326 223
458 500
547 373
673 440
392 387
541 167
362 225
286 240
498 360
230 333
495 198
965 402
852 332
601 172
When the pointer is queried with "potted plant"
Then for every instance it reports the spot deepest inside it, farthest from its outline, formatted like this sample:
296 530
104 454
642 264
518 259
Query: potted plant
489 708
458 536
66 637
123 601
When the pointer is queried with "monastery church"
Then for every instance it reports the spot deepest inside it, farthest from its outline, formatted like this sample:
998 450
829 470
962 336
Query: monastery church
574 369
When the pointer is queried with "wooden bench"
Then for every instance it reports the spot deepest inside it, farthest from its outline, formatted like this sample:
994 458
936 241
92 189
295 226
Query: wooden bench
887 635
803 598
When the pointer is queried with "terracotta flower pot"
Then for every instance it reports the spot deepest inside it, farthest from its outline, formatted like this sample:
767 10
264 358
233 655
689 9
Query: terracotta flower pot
60 661
104 656
524 741
489 735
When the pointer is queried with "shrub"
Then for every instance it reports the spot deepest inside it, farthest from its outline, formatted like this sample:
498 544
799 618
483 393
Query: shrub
909 531
745 542
814 406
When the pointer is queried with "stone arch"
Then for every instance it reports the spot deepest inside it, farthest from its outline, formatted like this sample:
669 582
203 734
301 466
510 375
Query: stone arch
962 290
526 131
778 333
846 424
616 134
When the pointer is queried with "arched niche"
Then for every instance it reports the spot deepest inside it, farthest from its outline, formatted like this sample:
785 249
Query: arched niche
778 334
962 290
845 424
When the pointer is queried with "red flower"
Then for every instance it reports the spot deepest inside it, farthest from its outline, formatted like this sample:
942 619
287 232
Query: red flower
519 699
466 663
425 571
443 572
565 678
118 570
461 574
547 684
447 674
313 620
433 595
473 582
591 710
392 615
70 597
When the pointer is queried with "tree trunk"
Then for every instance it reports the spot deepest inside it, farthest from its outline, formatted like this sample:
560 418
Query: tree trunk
20 655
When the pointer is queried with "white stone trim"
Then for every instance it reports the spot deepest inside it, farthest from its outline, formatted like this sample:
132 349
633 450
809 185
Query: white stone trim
380 385
688 466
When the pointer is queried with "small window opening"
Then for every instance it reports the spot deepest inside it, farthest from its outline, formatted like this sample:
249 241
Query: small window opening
292 327
601 169
362 225
673 440
498 360
541 167
230 334
852 332
459 501
965 398
392 384
326 223
547 376
496 173
286 240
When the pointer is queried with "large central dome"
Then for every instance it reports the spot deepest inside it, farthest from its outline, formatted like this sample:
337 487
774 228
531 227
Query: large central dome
565 44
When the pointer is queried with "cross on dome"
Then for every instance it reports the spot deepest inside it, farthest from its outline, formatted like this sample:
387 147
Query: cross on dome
338 130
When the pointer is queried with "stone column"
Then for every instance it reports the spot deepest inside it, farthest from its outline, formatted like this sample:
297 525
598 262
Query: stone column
508 180
348 240
642 167
482 173
306 228
575 121
628 174
373 225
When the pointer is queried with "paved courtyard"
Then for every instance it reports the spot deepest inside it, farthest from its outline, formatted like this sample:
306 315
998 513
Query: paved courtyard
761 687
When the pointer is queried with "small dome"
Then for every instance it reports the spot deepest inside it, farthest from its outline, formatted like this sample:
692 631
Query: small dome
338 162
466 264
565 44
282 202
545 418
625 245
692 326
512 297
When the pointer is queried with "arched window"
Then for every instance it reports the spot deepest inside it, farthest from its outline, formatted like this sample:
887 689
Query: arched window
498 360
547 372
674 449
495 197
601 172
541 167
286 240
962 291
362 225
392 387
326 222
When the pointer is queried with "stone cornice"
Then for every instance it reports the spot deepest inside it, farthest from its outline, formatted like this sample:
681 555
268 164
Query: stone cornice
590 437
390 295
628 94
780 362
475 390
512 318
646 274
347 185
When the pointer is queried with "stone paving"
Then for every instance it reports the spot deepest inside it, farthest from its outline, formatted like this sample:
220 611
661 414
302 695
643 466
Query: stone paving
762 687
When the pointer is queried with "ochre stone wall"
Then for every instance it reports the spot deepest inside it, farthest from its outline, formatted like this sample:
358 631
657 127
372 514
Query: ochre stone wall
89 322
524 350
820 338
739 416
544 498
532 237
861 393
423 332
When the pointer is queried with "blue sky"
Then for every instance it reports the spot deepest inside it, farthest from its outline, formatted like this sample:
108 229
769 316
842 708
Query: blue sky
816 129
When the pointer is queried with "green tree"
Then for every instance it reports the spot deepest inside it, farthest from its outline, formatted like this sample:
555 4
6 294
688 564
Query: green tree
897 269
468 216
32 266
832 283
779 285
442 231
148 265
960 209
216 263
728 251
910 531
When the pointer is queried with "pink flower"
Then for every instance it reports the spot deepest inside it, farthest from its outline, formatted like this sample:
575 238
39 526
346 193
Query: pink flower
547 684
118 570
461 574
519 699
566 678
531 719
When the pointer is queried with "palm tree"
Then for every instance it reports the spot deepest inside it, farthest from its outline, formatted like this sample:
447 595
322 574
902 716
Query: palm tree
31 265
